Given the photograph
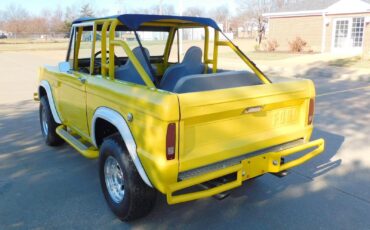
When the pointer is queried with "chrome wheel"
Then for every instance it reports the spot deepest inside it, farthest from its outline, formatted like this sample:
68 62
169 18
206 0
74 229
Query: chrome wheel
114 179
45 127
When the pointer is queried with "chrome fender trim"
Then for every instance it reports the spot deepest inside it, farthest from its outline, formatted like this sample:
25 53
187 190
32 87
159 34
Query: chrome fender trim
45 84
120 123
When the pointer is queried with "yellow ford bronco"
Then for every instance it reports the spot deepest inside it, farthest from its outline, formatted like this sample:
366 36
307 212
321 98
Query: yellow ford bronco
160 121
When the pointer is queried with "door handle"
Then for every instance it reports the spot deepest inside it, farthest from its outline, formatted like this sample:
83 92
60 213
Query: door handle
82 80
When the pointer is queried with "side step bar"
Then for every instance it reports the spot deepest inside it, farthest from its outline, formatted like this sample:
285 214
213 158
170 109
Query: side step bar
89 152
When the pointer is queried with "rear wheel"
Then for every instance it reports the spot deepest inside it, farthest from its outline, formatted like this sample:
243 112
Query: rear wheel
126 193
48 125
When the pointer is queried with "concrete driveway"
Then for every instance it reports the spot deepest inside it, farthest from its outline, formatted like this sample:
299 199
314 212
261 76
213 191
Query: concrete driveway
56 188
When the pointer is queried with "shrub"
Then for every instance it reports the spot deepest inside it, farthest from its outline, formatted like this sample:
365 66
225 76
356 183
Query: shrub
271 45
297 45
257 48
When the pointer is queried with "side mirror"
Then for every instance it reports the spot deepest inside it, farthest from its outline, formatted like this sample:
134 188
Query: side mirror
65 67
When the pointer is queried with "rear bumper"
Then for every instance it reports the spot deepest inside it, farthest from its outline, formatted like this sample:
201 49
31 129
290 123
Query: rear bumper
269 162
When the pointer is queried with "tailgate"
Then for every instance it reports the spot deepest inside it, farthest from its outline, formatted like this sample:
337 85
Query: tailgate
221 124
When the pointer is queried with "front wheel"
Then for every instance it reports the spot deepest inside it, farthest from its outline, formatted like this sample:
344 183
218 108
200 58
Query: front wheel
126 193
48 125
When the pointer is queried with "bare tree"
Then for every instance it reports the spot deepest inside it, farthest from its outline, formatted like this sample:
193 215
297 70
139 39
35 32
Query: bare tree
163 9
14 12
253 10
168 9
2 20
56 20
193 11
86 11
141 11
70 15
15 18
250 12
37 25
121 6
160 8
280 3
222 15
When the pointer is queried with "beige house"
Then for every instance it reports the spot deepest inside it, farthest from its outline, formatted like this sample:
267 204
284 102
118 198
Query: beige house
337 26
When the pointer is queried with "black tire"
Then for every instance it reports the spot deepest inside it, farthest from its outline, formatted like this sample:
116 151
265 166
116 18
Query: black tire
139 198
50 136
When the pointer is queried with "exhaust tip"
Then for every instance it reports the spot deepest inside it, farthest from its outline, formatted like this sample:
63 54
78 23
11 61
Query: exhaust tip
281 174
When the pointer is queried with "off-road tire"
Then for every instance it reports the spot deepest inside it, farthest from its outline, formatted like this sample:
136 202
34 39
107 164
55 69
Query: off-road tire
51 138
139 198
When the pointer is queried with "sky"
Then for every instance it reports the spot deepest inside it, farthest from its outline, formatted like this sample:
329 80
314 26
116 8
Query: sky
36 6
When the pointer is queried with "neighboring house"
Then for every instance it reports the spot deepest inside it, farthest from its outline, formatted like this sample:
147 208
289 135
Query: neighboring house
338 26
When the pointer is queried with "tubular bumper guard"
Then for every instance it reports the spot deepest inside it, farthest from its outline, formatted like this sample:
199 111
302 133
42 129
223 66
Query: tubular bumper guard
269 162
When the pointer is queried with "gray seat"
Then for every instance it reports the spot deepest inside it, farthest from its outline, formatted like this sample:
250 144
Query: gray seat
191 64
128 72
205 82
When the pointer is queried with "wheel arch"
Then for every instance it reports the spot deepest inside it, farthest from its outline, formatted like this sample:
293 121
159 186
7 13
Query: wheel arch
45 90
115 119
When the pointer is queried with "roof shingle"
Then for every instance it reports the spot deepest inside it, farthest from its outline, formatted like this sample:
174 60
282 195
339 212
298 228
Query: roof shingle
301 5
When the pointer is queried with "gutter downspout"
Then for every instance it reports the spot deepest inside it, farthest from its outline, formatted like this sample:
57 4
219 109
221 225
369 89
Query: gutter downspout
323 37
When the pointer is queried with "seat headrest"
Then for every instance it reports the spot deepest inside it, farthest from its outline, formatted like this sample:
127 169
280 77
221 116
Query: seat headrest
140 57
128 72
139 54
193 55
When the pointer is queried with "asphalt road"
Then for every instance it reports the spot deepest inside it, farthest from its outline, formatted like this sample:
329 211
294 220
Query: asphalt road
56 188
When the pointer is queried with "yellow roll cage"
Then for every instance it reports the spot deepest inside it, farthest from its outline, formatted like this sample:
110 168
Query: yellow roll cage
109 29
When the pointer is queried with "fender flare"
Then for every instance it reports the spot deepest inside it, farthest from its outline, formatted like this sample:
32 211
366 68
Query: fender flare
120 123
45 84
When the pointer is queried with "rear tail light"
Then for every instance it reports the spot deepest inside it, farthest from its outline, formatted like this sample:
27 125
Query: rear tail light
171 141
311 111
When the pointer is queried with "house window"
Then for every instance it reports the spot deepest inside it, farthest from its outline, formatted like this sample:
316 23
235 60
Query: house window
357 31
341 32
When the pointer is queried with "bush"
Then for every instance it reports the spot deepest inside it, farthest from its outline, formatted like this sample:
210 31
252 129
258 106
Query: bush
297 45
271 45
257 48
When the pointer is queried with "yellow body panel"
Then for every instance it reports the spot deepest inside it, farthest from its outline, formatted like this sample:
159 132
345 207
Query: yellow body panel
152 111
212 126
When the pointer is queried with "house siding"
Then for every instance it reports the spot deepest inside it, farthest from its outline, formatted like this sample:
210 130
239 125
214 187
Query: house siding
310 28
286 29
367 40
